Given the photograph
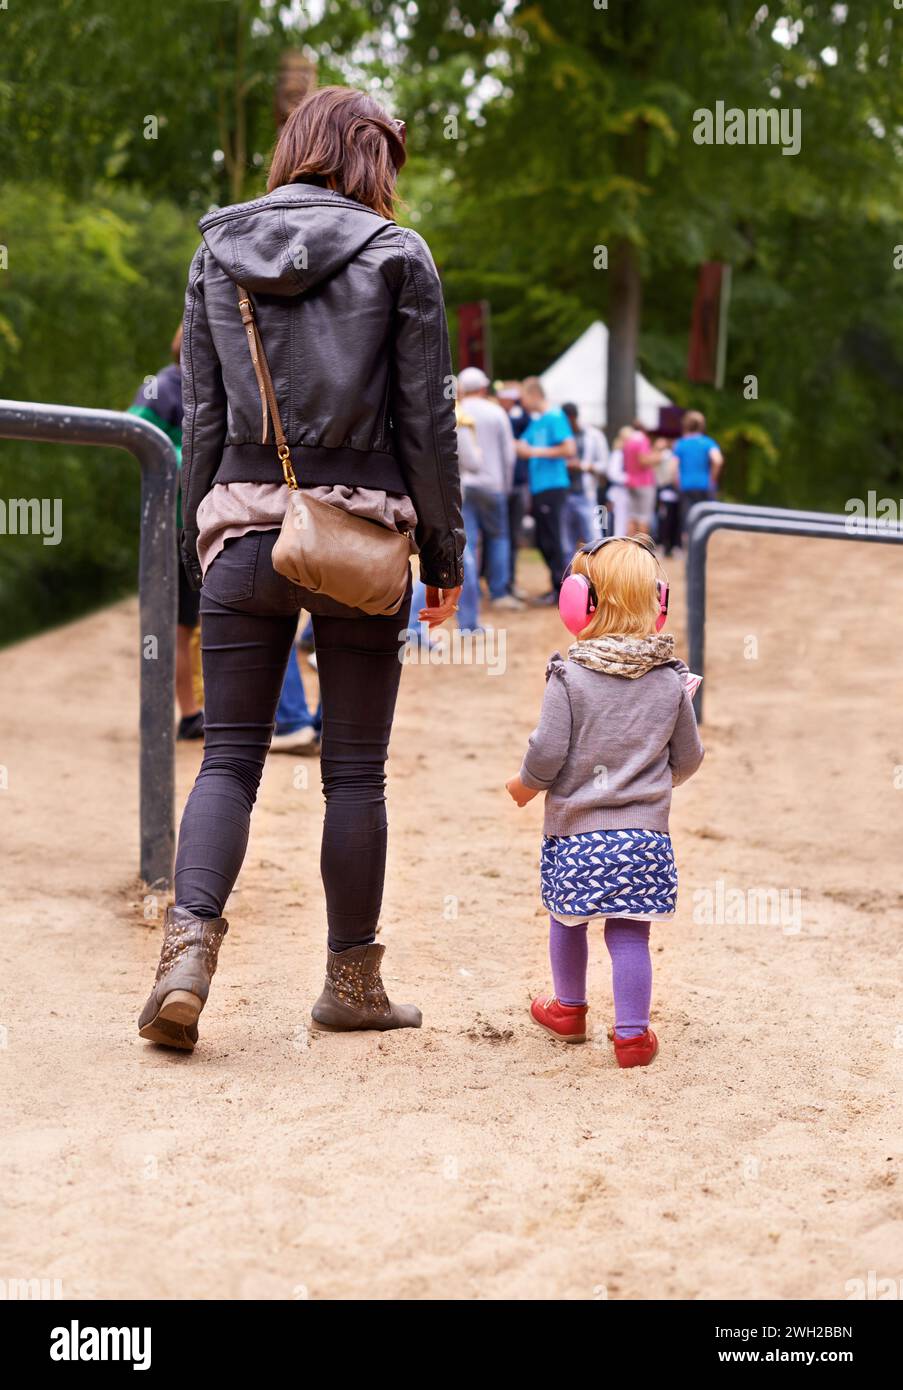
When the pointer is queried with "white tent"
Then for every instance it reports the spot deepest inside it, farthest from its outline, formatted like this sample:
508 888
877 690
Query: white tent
581 373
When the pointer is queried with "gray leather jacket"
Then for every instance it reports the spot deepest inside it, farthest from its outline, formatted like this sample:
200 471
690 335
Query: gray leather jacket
350 311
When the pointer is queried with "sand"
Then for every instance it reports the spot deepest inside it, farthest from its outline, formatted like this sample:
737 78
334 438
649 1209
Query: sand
758 1157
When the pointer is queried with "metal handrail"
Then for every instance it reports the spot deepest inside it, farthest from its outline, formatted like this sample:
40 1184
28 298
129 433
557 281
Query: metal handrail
707 517
62 424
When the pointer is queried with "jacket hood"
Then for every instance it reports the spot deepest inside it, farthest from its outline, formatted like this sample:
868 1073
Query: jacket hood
290 240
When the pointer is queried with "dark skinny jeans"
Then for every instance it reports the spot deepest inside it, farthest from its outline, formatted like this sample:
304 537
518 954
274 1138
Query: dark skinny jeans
249 615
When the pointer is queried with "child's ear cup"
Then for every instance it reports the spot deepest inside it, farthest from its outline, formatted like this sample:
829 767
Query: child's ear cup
662 591
575 603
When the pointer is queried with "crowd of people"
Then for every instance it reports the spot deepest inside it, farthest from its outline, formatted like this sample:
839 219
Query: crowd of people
526 463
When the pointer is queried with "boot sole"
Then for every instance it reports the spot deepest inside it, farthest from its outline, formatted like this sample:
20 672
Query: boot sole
170 1026
359 1027
562 1037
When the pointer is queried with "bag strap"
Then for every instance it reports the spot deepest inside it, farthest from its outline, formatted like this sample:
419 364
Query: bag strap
269 406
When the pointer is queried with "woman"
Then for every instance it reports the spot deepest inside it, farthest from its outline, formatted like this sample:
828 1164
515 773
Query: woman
350 313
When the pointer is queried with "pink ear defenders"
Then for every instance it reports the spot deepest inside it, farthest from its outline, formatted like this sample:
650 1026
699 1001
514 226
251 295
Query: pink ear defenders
577 599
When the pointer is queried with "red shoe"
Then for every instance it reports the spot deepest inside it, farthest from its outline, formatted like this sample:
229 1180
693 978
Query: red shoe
636 1052
565 1021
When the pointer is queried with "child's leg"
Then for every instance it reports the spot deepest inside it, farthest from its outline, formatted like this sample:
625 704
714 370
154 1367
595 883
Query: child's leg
631 975
568 952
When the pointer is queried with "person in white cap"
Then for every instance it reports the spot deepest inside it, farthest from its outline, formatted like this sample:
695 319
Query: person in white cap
486 477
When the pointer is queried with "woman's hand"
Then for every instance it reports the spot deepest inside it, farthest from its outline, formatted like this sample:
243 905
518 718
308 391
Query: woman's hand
441 604
518 792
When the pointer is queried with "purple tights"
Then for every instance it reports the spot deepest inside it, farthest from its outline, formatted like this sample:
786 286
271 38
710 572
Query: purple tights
631 969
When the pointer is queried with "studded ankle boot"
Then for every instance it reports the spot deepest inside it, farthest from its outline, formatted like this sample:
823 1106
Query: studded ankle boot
354 995
187 964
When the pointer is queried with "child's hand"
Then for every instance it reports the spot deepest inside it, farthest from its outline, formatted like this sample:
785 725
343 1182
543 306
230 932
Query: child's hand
518 792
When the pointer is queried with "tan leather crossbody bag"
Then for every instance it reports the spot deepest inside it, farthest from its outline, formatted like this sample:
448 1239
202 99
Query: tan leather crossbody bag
320 547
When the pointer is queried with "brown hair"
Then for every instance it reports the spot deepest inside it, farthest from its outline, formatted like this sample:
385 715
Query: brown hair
344 138
177 344
693 422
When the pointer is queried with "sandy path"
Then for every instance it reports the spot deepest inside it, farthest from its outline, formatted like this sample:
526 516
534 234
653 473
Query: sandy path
477 1158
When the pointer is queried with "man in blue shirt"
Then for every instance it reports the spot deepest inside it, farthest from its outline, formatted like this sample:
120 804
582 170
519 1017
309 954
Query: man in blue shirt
700 462
547 443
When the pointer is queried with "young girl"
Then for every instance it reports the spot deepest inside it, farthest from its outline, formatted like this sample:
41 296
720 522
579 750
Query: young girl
616 732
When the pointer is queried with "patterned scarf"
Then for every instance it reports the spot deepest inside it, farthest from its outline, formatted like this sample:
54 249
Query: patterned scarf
624 656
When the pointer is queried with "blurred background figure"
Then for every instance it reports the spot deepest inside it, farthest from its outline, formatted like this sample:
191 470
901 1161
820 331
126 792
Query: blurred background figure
470 464
486 457
519 492
668 504
547 443
508 396
640 462
159 400
297 729
581 522
617 497
700 462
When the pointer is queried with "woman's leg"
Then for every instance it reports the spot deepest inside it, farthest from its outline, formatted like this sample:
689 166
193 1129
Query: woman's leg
248 621
568 953
359 669
245 656
631 975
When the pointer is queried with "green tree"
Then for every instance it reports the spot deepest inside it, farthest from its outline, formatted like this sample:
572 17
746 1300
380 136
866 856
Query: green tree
576 129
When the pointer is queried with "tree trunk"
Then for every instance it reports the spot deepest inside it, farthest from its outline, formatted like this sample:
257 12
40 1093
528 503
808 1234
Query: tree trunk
297 76
625 300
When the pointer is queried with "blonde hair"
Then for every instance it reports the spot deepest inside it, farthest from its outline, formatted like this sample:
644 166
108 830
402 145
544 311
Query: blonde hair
623 575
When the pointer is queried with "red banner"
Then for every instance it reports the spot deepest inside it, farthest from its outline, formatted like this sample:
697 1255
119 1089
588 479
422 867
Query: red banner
474 339
708 331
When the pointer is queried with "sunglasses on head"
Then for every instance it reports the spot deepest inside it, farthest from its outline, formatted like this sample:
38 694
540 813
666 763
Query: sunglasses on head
399 127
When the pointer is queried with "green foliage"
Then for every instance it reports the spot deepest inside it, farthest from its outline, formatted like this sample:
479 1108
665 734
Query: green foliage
588 139
92 297
537 132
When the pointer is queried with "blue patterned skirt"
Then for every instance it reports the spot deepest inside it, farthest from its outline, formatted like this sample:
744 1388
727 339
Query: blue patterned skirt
609 873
